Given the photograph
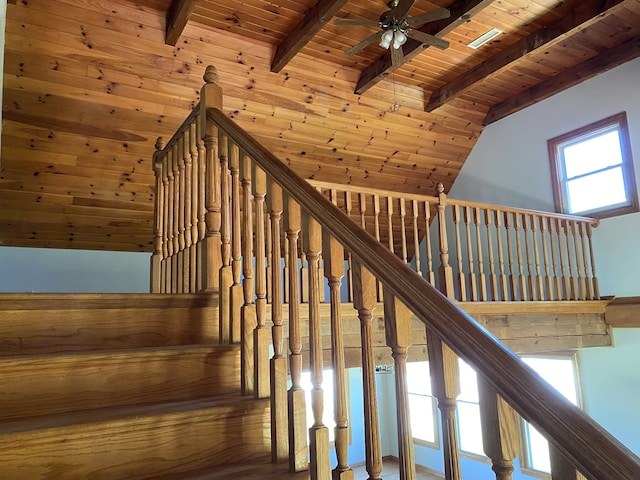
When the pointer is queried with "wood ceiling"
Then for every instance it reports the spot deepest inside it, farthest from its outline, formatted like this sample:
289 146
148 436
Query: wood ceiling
90 84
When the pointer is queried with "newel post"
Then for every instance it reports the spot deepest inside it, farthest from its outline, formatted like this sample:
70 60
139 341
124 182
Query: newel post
445 270
211 97
158 218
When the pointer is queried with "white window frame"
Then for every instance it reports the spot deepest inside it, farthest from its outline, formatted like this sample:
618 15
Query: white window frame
424 366
560 181
525 458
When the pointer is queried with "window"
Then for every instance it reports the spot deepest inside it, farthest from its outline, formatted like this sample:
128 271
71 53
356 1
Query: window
593 169
422 404
560 372
469 427
328 418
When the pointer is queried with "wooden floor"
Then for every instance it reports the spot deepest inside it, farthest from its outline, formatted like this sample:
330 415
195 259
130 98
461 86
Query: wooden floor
279 472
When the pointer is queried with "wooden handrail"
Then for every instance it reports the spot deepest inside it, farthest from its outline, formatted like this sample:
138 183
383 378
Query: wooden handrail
451 201
593 450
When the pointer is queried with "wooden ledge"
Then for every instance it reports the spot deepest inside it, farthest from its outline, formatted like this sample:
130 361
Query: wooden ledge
623 312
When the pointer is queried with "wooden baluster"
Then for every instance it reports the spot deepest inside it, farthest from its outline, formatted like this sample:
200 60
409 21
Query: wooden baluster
166 241
334 271
536 256
513 276
493 278
581 288
403 230
364 302
376 227
564 268
304 272
546 245
285 270
416 236
362 205
482 278
531 283
211 96
188 172
226 275
319 466
462 282
261 341
390 241
236 293
397 327
445 385
594 277
193 254
503 276
585 259
554 242
180 184
158 219
279 431
175 238
446 272
202 211
296 397
500 437
473 284
269 251
170 210
248 311
571 257
561 467
427 235
523 281
348 207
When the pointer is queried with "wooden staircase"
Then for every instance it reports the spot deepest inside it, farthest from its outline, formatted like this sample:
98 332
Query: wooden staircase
121 386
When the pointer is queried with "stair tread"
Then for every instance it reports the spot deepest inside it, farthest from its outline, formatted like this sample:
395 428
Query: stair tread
114 353
122 413
261 471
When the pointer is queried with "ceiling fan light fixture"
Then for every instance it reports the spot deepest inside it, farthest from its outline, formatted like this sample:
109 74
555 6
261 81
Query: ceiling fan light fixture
399 39
387 38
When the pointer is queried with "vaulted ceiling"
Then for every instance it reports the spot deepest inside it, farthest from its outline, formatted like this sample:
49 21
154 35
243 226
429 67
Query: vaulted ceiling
90 84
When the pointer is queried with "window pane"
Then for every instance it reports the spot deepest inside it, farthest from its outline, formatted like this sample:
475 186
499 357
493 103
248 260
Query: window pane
418 378
591 154
422 419
470 428
539 458
598 190
468 383
328 418
559 372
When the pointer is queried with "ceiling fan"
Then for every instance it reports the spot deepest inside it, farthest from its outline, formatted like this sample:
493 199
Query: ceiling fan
396 29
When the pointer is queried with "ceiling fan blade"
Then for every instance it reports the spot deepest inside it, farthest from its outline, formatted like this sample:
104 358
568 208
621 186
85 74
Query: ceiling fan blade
402 9
397 57
437 14
428 39
353 21
366 42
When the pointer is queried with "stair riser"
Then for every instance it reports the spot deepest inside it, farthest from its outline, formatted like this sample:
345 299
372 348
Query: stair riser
32 324
141 447
56 384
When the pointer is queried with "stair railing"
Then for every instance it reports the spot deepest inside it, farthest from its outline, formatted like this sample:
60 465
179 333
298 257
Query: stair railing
282 216
497 253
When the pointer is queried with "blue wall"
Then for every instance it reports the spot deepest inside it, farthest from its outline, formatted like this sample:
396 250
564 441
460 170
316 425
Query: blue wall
73 271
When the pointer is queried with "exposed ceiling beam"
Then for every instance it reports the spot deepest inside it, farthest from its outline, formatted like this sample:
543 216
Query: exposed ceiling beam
583 16
314 20
461 11
177 18
606 60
